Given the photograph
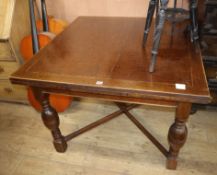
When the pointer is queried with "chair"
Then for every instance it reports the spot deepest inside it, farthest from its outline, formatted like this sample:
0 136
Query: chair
161 15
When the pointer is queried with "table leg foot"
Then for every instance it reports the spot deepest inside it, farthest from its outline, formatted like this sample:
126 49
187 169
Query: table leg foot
171 163
177 134
60 145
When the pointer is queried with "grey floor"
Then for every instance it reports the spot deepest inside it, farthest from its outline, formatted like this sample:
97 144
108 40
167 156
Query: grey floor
115 148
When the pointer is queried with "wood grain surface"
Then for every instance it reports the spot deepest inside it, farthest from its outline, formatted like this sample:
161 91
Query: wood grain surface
109 50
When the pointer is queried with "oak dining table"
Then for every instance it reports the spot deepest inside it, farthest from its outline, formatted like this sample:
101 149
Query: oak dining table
103 58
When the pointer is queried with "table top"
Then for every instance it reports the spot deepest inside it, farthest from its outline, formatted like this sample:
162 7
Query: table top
104 55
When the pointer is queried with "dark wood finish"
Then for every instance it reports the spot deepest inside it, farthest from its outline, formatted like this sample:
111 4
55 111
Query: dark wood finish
108 61
51 120
178 133
111 51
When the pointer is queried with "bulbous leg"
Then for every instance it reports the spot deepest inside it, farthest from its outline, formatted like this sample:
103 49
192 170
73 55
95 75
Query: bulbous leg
51 120
178 134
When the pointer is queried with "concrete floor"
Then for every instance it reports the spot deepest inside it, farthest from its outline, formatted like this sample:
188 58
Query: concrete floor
115 148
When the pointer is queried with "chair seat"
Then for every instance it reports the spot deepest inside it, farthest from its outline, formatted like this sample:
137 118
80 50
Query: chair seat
177 15
174 15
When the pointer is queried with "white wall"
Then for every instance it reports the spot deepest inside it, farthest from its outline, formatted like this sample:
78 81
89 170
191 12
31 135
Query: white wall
70 9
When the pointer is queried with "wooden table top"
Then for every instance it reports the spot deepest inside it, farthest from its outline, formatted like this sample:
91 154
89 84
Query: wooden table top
104 55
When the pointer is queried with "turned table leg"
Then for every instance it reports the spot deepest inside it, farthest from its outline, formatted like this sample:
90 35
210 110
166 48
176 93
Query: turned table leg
51 120
177 134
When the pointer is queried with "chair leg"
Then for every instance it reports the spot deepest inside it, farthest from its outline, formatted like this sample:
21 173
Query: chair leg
151 9
160 20
194 22
34 32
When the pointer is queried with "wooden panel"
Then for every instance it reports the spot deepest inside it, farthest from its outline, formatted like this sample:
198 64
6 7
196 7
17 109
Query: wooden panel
214 97
7 68
14 25
6 14
5 51
20 26
9 92
211 72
